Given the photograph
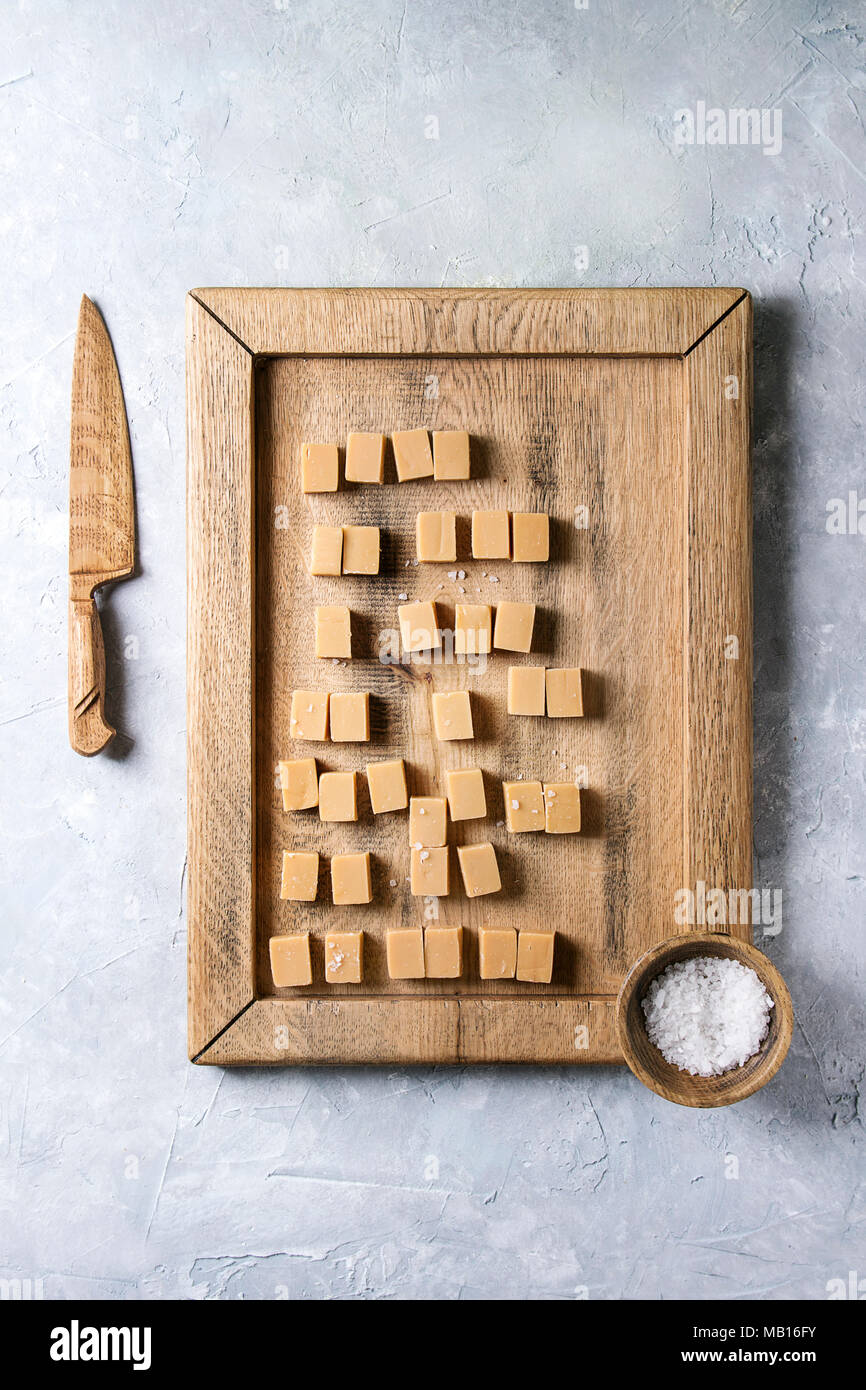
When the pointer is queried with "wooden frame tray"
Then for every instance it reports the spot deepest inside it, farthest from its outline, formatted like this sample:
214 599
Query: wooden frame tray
626 415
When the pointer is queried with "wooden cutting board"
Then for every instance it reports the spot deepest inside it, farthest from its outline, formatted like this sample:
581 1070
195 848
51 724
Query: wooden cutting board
623 414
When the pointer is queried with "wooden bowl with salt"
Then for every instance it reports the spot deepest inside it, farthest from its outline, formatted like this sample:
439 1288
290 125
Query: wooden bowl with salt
668 1080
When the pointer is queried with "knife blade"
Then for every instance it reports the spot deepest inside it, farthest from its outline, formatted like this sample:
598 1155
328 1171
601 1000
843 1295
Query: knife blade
101 520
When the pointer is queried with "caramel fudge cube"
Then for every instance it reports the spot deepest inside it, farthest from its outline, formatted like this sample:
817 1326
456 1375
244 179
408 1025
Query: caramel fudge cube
290 960
443 953
350 716
530 536
309 715
561 808
338 796
404 949
497 953
300 880
333 633
360 550
565 693
491 536
525 690
472 629
412 454
427 821
327 553
387 786
466 799
320 467
365 458
344 957
512 631
436 536
428 873
299 783
524 806
450 455
419 627
479 869
350 879
452 715
535 956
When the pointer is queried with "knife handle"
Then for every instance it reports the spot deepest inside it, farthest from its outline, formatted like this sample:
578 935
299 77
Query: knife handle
88 729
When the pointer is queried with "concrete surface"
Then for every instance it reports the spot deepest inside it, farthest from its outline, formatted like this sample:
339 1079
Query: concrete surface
150 148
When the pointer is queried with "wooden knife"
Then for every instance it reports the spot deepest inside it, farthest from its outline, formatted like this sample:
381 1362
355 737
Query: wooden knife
101 520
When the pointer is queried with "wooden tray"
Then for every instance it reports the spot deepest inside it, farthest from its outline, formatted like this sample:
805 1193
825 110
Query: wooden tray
632 404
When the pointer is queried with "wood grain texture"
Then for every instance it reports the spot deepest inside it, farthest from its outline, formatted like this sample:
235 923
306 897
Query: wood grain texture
219 676
397 322
557 423
101 520
407 1031
89 730
549 434
717 779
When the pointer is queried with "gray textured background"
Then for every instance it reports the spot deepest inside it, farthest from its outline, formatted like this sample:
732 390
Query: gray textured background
148 148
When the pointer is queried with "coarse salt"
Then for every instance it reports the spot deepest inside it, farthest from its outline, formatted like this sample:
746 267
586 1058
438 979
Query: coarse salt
707 1015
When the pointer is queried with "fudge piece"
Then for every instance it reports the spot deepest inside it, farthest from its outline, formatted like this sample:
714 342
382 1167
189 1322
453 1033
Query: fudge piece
299 783
351 881
344 957
412 454
436 536
443 953
491 536
565 693
530 536
350 716
320 467
300 878
466 799
419 627
290 960
333 633
365 458
360 550
524 806
429 875
338 796
535 956
309 715
450 455
327 553
472 628
512 631
526 690
561 808
404 949
452 715
427 821
479 869
387 786
497 953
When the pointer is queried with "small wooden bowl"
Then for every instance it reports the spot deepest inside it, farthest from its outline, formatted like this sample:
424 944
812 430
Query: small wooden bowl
644 1058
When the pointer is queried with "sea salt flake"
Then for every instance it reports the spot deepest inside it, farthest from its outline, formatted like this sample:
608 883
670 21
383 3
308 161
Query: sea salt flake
707 1015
